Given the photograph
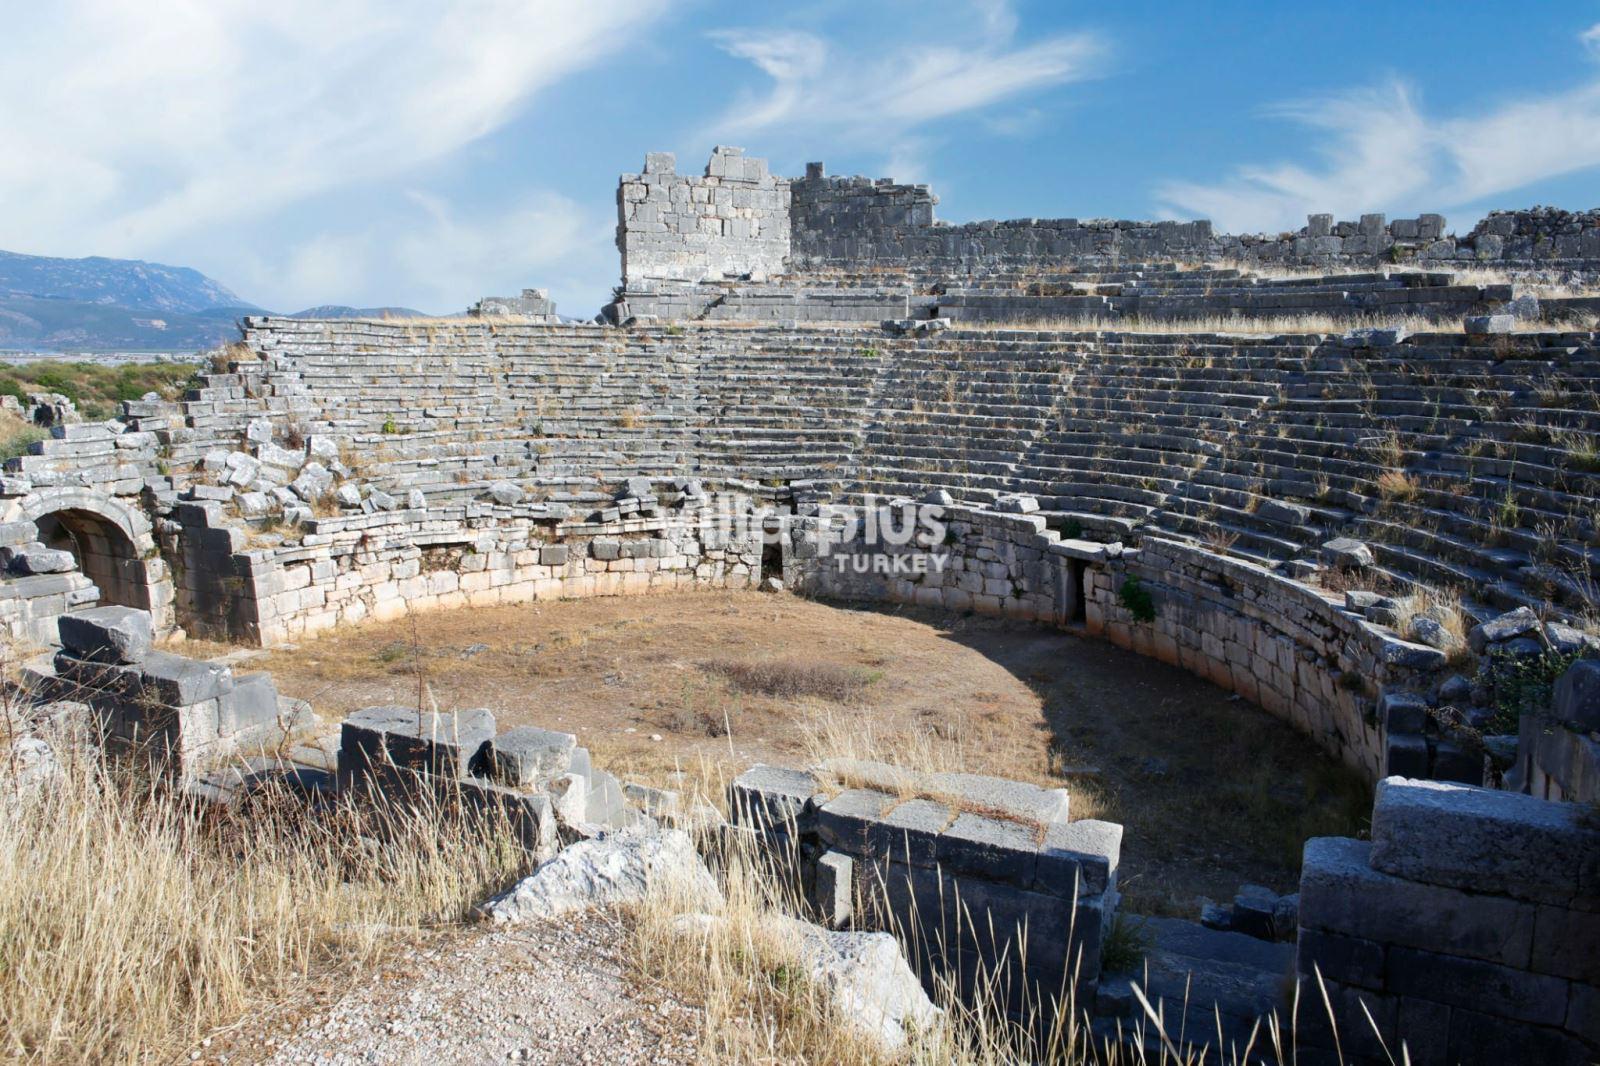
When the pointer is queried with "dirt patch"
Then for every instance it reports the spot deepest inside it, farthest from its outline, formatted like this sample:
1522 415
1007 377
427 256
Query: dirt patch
691 689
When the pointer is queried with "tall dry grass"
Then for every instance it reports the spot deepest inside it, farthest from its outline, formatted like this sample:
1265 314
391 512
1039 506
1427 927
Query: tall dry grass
744 965
134 921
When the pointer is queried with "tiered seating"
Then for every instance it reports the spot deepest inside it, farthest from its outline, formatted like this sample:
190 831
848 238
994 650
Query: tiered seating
1147 413
962 414
782 405
1466 461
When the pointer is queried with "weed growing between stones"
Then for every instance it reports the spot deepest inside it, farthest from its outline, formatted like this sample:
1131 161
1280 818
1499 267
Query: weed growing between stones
1136 600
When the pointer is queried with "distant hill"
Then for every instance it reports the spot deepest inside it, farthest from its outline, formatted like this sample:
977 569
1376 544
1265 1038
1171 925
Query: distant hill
117 282
38 323
340 311
100 304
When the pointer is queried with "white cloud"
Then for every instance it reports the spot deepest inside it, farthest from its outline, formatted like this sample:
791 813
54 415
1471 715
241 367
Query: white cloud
436 256
130 125
1381 151
1590 39
880 100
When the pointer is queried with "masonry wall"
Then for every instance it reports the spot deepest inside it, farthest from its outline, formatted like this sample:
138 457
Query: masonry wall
382 565
852 223
1468 926
1276 642
733 220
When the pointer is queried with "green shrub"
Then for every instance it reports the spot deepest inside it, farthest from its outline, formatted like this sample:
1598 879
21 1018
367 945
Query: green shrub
1135 598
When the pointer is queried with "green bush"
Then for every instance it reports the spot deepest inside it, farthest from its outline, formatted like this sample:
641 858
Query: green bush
1135 598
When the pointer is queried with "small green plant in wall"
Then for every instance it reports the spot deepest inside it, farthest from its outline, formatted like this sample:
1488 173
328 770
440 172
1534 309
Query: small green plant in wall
1135 599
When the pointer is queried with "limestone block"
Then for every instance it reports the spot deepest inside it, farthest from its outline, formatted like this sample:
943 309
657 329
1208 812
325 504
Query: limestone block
1079 857
1347 553
773 796
528 756
1340 892
108 634
1577 696
1486 841
833 889
178 681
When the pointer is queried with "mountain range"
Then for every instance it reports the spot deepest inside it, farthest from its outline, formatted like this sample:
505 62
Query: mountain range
100 304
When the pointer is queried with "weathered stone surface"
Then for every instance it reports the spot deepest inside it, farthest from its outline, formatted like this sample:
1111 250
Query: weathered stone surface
1340 892
528 756
868 981
108 634
615 868
1485 841
1577 695
1347 553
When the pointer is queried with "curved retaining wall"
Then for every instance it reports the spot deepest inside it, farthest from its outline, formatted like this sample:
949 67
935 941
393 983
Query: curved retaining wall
1274 641
380 566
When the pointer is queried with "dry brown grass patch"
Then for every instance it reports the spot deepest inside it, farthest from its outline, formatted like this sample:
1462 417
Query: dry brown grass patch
796 678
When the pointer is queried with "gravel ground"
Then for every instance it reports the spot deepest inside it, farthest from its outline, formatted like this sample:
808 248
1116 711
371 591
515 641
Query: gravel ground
547 993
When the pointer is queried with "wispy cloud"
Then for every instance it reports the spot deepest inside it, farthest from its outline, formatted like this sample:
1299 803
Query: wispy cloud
881 99
1381 150
441 254
132 125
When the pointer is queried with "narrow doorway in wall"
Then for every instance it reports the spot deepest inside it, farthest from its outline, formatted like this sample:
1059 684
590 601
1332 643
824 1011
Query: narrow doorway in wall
772 561
1080 571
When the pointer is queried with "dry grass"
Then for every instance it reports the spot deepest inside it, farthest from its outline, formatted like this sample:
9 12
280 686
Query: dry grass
743 963
796 678
133 922
1397 485
1440 605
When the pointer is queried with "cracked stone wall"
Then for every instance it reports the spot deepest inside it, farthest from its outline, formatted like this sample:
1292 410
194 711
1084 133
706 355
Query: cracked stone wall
731 221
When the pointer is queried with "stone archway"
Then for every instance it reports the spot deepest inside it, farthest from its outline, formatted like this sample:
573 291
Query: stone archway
113 543
105 553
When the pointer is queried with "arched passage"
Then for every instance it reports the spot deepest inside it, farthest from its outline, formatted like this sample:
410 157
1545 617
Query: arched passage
106 555
112 541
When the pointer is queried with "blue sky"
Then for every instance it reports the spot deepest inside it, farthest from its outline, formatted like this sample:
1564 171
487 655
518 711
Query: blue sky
419 153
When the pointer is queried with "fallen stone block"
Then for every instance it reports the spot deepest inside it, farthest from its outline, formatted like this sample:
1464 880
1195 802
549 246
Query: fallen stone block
528 756
107 634
615 868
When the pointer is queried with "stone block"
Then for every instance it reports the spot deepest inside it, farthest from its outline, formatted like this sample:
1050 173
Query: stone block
178 681
37 559
251 705
1486 841
1341 893
989 847
1079 857
833 890
107 634
553 555
1013 799
1485 325
851 821
1566 943
1577 696
768 796
1473 983
1347 553
1346 959
528 756
528 816
1403 712
443 745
